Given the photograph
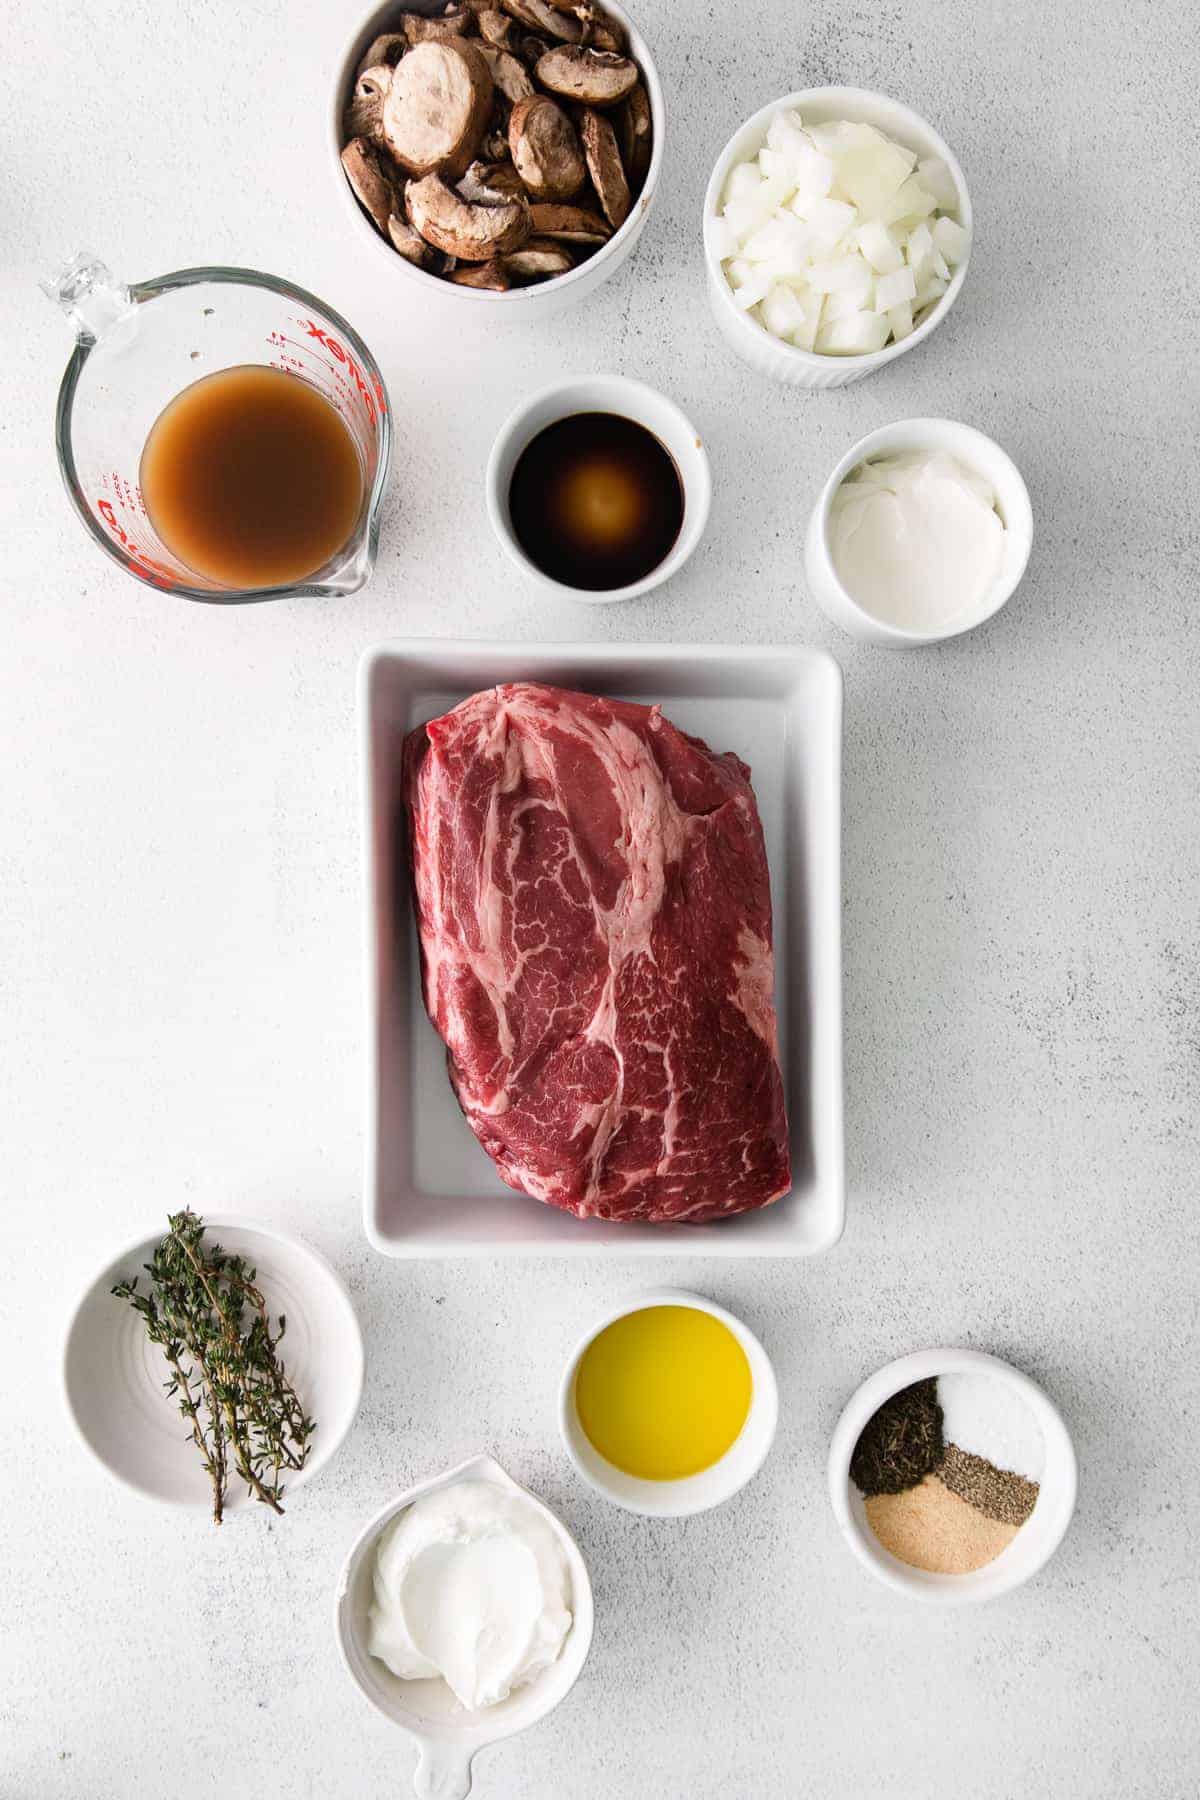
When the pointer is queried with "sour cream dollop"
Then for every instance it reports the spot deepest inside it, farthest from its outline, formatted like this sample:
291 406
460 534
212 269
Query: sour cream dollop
916 538
471 1584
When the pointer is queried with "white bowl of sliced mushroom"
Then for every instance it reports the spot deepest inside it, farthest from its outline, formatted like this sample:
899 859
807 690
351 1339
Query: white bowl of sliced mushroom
502 152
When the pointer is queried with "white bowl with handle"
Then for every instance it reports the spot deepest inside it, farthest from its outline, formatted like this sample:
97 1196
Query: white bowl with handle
751 341
447 1737
541 300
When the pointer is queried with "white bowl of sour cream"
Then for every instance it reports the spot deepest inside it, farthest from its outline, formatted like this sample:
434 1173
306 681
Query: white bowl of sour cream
466 1582
922 532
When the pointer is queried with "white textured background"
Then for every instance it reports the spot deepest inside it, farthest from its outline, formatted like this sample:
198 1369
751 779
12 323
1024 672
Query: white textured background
180 970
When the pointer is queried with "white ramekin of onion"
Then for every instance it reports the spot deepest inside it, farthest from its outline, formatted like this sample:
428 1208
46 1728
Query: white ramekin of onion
815 226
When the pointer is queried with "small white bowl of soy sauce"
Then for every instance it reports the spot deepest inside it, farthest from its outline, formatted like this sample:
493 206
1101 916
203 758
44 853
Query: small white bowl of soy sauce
599 488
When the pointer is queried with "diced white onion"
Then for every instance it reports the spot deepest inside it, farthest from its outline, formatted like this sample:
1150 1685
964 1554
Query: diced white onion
782 312
936 179
743 181
879 247
753 290
894 290
918 251
950 238
722 239
834 238
909 203
840 275
842 306
870 176
856 336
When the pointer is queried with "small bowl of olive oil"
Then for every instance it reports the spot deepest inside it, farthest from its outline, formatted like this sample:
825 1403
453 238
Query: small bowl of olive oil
668 1406
599 488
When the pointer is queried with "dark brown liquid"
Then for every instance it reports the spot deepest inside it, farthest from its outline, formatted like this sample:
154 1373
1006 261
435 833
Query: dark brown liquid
596 501
251 479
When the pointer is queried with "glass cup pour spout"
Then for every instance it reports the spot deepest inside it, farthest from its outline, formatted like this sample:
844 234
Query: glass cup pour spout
137 347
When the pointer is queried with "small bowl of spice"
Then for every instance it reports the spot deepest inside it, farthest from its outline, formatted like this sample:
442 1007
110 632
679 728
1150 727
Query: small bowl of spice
952 1476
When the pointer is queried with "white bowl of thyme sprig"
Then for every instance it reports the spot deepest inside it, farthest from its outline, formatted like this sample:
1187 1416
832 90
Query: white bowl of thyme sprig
214 1363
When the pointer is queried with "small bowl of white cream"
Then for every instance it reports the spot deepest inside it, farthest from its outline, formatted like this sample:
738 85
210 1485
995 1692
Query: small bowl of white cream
464 1614
922 532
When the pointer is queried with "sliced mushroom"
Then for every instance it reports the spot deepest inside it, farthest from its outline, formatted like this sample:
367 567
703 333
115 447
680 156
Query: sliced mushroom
530 48
510 76
450 223
410 244
545 149
596 77
373 189
538 260
491 184
635 133
364 115
437 107
606 36
539 16
604 165
600 32
495 27
386 49
456 21
569 224
494 147
493 275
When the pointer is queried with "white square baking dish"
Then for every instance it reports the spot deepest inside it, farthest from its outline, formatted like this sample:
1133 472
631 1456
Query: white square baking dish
430 1189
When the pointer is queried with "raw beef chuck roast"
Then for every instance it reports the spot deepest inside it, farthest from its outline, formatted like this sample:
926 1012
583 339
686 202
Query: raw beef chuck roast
595 923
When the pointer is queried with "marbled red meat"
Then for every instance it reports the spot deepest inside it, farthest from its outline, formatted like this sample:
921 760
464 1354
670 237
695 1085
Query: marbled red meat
594 916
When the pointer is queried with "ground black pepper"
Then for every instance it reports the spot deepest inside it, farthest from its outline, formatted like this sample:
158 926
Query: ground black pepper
996 1492
901 1443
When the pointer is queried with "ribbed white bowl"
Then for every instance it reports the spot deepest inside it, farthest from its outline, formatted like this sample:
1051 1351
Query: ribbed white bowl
752 341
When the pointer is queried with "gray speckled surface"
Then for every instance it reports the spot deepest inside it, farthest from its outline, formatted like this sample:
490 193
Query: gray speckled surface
179 944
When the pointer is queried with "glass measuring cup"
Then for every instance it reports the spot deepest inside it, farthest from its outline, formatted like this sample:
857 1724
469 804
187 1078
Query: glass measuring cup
137 347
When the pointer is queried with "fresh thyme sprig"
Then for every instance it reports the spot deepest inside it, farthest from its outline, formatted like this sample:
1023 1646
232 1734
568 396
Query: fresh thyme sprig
209 1318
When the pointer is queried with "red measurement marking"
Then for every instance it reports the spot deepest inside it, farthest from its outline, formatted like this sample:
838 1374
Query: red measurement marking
145 566
370 399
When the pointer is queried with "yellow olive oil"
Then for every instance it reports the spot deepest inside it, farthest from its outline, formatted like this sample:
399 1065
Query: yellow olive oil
664 1392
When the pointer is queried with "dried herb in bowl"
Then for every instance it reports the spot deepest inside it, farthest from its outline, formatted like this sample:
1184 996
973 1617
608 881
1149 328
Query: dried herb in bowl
205 1312
901 1443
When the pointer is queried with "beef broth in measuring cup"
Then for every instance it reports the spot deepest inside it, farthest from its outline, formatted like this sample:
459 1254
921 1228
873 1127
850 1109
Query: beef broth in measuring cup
251 478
